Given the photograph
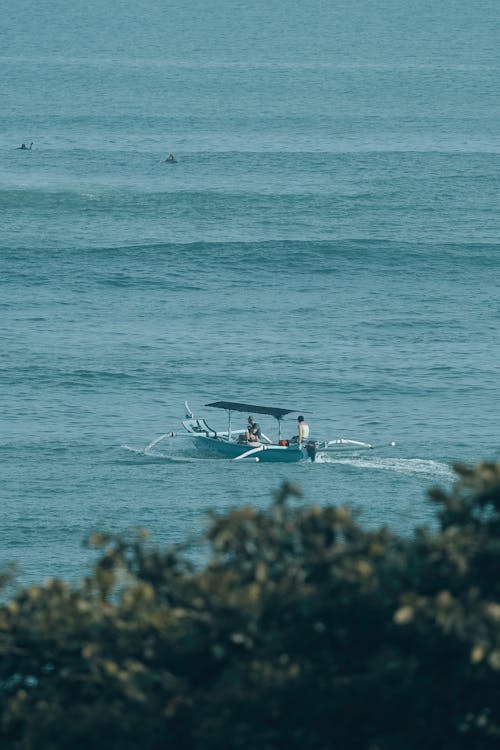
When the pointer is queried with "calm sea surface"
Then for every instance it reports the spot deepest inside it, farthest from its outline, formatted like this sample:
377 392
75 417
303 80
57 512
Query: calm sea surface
328 241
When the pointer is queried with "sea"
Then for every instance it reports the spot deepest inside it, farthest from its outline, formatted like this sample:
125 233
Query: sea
327 241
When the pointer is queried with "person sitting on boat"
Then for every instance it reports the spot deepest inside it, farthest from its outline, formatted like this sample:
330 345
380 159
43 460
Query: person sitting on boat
253 432
170 157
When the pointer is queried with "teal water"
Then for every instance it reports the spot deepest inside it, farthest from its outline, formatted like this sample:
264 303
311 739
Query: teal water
327 241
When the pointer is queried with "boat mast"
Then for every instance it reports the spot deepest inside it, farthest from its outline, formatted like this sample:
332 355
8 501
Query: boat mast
229 425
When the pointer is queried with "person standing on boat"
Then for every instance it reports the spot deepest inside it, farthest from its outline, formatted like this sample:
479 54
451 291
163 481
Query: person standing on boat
253 433
303 429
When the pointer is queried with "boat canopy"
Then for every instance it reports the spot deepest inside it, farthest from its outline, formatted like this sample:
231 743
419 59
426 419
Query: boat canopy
234 406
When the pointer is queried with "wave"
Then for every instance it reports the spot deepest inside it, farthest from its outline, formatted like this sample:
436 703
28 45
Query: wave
355 250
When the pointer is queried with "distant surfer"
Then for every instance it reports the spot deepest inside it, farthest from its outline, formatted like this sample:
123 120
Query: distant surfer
24 147
171 158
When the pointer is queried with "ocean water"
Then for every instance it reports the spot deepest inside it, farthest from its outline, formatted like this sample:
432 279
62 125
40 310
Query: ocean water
328 241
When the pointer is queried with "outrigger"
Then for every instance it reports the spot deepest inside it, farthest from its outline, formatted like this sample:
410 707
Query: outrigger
231 443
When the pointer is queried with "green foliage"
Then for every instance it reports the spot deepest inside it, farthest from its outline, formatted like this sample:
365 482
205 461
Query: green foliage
302 631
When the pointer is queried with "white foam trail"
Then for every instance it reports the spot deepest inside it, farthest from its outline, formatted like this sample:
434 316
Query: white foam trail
148 448
133 450
399 465
156 454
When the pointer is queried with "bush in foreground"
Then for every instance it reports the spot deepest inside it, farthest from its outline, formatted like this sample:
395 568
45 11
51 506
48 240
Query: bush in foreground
302 631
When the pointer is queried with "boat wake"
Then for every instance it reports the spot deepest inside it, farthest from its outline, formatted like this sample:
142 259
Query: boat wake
409 466
148 453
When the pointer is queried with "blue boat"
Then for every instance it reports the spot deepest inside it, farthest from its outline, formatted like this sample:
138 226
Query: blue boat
231 444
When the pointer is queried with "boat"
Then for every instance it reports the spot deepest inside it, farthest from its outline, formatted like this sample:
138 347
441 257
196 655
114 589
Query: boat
231 443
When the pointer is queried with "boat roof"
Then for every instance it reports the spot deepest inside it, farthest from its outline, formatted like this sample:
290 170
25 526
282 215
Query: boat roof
235 406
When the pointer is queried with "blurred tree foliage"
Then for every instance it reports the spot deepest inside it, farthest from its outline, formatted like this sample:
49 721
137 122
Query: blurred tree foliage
302 631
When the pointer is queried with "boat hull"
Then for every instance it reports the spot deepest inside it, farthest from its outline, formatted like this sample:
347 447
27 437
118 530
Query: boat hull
269 454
